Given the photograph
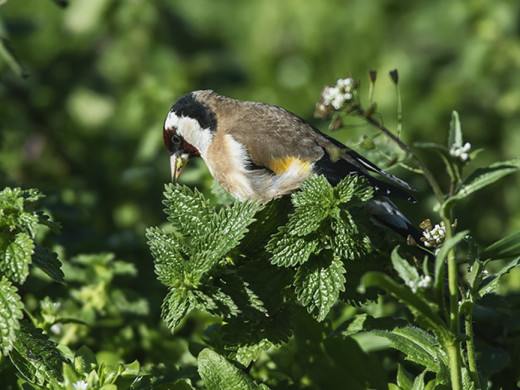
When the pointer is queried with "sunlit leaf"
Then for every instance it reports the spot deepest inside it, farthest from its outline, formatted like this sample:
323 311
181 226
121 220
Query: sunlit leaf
219 374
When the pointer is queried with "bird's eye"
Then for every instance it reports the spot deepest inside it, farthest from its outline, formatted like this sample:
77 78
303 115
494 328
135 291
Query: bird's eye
176 140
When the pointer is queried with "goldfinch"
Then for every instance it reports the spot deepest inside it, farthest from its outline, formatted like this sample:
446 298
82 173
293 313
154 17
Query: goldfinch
261 152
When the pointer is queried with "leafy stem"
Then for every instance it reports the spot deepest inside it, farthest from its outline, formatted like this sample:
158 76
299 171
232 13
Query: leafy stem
426 172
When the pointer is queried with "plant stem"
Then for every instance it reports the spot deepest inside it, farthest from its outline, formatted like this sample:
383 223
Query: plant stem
470 345
453 285
454 359
426 172
454 321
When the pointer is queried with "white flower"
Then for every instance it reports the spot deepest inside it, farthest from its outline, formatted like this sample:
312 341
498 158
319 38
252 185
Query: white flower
425 282
413 286
56 329
339 94
435 235
80 385
461 152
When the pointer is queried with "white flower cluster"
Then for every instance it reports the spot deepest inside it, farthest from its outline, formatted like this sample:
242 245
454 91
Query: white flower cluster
339 94
461 152
425 282
80 385
435 236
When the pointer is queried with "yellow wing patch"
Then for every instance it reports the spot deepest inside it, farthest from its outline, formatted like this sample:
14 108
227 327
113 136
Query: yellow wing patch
282 164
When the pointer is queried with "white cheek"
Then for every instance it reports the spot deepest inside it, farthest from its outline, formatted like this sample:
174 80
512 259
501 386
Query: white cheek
189 129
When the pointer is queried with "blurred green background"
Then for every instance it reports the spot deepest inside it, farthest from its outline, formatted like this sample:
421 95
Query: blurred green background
85 123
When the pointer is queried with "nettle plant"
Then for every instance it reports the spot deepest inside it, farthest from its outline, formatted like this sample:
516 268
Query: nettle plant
255 266
35 341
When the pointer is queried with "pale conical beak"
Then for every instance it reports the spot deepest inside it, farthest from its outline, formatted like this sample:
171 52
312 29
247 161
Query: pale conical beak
177 163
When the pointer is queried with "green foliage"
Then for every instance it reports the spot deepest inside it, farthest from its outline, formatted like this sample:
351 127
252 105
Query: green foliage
217 373
84 127
36 357
10 313
195 260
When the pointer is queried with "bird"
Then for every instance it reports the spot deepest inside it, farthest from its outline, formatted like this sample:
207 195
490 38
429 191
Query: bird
261 152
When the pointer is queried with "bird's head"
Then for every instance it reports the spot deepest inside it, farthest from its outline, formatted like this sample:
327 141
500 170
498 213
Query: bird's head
189 129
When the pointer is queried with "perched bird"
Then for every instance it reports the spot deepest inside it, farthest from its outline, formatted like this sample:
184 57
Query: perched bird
261 152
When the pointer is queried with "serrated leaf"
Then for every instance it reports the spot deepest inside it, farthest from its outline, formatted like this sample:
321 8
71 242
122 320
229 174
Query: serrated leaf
315 190
188 210
170 257
174 307
506 247
347 241
245 337
17 258
10 314
268 282
353 187
481 178
418 346
406 272
318 284
228 227
214 301
36 357
307 219
13 215
219 374
491 283
48 262
288 250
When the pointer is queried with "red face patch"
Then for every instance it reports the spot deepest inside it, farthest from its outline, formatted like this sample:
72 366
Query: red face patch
168 135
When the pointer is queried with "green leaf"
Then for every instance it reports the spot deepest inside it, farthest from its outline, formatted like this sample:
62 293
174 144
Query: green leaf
17 258
48 262
506 247
440 260
187 210
347 241
481 178
318 284
418 383
10 313
219 374
406 272
288 250
353 187
175 306
36 357
227 228
170 255
85 360
404 378
491 283
307 219
418 346
246 339
455 133
419 306
316 190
